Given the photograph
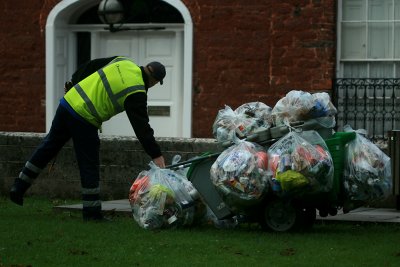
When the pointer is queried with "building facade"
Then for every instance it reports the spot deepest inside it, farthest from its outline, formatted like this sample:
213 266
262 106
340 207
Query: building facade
217 53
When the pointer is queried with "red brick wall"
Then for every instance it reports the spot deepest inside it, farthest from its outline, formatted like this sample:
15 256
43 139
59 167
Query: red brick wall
243 51
257 51
22 65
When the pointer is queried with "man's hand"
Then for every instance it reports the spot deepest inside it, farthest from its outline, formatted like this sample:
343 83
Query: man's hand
159 161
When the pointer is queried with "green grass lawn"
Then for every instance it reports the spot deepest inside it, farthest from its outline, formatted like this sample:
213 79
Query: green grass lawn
35 235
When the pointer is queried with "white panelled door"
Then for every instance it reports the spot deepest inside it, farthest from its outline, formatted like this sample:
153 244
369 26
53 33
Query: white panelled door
164 101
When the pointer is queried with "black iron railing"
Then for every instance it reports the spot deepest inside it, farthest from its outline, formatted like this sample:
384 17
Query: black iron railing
370 104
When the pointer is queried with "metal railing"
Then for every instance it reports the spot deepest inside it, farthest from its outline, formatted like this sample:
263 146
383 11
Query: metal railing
370 104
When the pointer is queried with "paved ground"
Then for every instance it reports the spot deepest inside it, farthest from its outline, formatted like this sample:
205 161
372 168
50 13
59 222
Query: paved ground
358 215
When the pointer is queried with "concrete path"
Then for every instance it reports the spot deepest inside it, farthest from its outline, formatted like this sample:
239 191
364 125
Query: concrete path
358 215
367 215
120 206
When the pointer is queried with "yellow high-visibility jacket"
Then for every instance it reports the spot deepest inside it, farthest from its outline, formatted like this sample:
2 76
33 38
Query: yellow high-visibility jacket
101 95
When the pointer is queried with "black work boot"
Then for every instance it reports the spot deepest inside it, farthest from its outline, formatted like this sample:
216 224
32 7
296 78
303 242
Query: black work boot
94 214
18 190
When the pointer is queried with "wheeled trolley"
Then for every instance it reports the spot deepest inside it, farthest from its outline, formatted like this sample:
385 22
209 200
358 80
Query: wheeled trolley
273 211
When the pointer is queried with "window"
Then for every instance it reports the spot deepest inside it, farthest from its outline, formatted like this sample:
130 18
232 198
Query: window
369 39
367 87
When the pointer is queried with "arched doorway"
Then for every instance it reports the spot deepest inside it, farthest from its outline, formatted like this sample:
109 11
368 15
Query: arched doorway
71 37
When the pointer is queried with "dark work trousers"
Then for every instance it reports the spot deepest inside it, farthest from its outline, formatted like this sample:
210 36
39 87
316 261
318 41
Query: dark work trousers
86 145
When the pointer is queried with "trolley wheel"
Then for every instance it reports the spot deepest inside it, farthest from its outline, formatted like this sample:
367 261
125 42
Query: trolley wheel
283 216
333 211
279 216
323 212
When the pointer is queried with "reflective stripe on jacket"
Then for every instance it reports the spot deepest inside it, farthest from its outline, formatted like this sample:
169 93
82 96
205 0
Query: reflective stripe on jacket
100 96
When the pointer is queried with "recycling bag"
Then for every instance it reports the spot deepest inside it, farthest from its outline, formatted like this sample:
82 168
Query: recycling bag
296 166
242 122
367 172
239 173
162 198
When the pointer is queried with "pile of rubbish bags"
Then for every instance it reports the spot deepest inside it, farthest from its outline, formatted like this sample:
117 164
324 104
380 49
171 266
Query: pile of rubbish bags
254 117
297 163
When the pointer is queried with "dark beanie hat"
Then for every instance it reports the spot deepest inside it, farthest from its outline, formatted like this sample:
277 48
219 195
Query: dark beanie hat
157 71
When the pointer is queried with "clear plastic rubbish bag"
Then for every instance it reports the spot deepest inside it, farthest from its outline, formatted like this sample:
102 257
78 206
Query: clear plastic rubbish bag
302 106
258 110
323 107
239 173
162 198
242 122
295 106
367 170
297 166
